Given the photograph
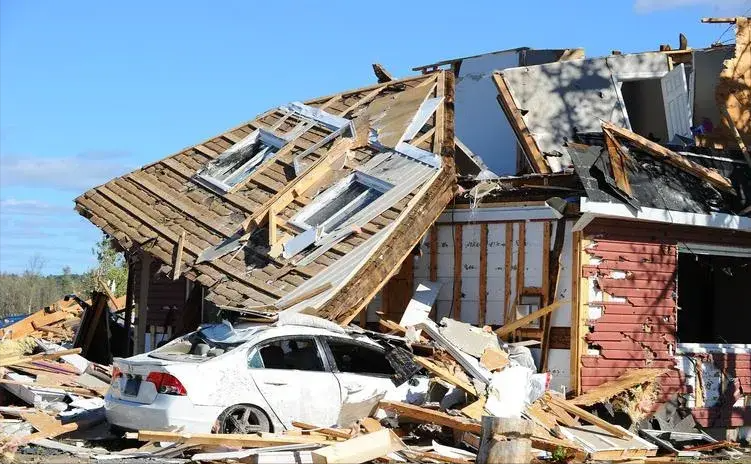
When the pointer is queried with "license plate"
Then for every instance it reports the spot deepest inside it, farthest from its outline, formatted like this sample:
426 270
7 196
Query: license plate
132 385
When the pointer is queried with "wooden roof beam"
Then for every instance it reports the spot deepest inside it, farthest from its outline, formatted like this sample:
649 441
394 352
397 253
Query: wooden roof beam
658 151
718 20
300 184
514 116
381 73
617 163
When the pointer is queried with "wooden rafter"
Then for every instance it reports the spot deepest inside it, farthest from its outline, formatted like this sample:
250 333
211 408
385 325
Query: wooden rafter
381 73
300 184
617 163
658 151
514 116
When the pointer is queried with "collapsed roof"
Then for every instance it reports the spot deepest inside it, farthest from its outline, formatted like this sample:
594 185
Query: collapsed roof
309 207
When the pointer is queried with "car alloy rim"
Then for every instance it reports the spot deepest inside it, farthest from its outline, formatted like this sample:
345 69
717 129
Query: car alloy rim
242 419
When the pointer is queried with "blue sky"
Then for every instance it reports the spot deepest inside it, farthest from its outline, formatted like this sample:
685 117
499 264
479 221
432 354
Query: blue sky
90 90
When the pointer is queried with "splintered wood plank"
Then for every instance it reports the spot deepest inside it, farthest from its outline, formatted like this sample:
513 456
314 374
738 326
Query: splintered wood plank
362 101
493 359
336 433
27 325
514 115
579 293
483 306
364 448
251 440
444 374
434 253
509 328
456 304
617 164
475 410
612 388
584 415
546 236
439 135
430 416
371 425
509 247
520 264
671 157
177 264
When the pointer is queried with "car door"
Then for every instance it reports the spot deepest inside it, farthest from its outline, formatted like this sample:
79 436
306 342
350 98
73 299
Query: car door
362 370
293 376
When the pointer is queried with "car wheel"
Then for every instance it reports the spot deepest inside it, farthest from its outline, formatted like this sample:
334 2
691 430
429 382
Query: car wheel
243 418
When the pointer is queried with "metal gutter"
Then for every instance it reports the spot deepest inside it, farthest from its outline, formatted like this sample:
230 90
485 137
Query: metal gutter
593 209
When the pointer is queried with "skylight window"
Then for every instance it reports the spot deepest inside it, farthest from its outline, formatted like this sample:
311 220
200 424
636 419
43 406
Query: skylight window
240 160
341 202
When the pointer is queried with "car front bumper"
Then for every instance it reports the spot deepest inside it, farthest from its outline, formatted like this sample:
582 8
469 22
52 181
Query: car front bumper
167 412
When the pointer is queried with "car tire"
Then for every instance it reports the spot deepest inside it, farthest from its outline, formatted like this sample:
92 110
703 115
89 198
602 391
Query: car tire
243 418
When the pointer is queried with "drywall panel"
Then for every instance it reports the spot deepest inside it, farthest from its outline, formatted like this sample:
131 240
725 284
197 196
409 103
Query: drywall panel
558 98
533 254
559 364
479 119
706 68
496 269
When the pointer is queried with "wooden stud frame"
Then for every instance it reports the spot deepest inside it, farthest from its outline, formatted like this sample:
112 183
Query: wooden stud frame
483 296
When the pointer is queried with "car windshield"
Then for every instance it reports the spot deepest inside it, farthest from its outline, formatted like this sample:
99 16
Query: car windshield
207 342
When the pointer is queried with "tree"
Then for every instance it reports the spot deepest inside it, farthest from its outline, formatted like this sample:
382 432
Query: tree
111 269
31 290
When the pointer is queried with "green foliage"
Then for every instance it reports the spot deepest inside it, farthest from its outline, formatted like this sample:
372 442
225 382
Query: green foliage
111 269
560 455
30 291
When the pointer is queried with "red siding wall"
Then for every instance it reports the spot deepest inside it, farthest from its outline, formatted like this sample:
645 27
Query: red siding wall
641 332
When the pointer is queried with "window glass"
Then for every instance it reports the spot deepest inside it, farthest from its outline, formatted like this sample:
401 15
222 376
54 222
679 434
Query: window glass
335 212
359 358
239 161
298 353
255 360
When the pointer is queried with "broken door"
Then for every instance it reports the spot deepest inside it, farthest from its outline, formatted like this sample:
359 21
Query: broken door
292 377
675 99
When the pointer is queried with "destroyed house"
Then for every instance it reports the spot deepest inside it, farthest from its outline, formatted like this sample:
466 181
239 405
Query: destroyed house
605 223
310 207
628 222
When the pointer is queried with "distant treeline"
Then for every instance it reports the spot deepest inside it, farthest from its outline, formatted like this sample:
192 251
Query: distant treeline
30 291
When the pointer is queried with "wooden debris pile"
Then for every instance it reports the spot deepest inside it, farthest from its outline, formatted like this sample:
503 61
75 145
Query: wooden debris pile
56 323
473 376
47 388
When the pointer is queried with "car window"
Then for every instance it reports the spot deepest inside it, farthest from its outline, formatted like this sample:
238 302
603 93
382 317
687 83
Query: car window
359 358
297 353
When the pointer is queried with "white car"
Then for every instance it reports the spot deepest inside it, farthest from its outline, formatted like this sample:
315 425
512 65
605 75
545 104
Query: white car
248 379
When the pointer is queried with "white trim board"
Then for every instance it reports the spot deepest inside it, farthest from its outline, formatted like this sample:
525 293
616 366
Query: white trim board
717 250
619 210
510 213
691 348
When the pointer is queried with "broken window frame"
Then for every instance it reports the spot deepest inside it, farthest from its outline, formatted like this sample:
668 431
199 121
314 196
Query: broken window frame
329 195
269 140
329 351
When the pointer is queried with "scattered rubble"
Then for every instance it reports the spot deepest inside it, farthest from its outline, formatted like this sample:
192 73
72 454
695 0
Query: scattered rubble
497 408
288 227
